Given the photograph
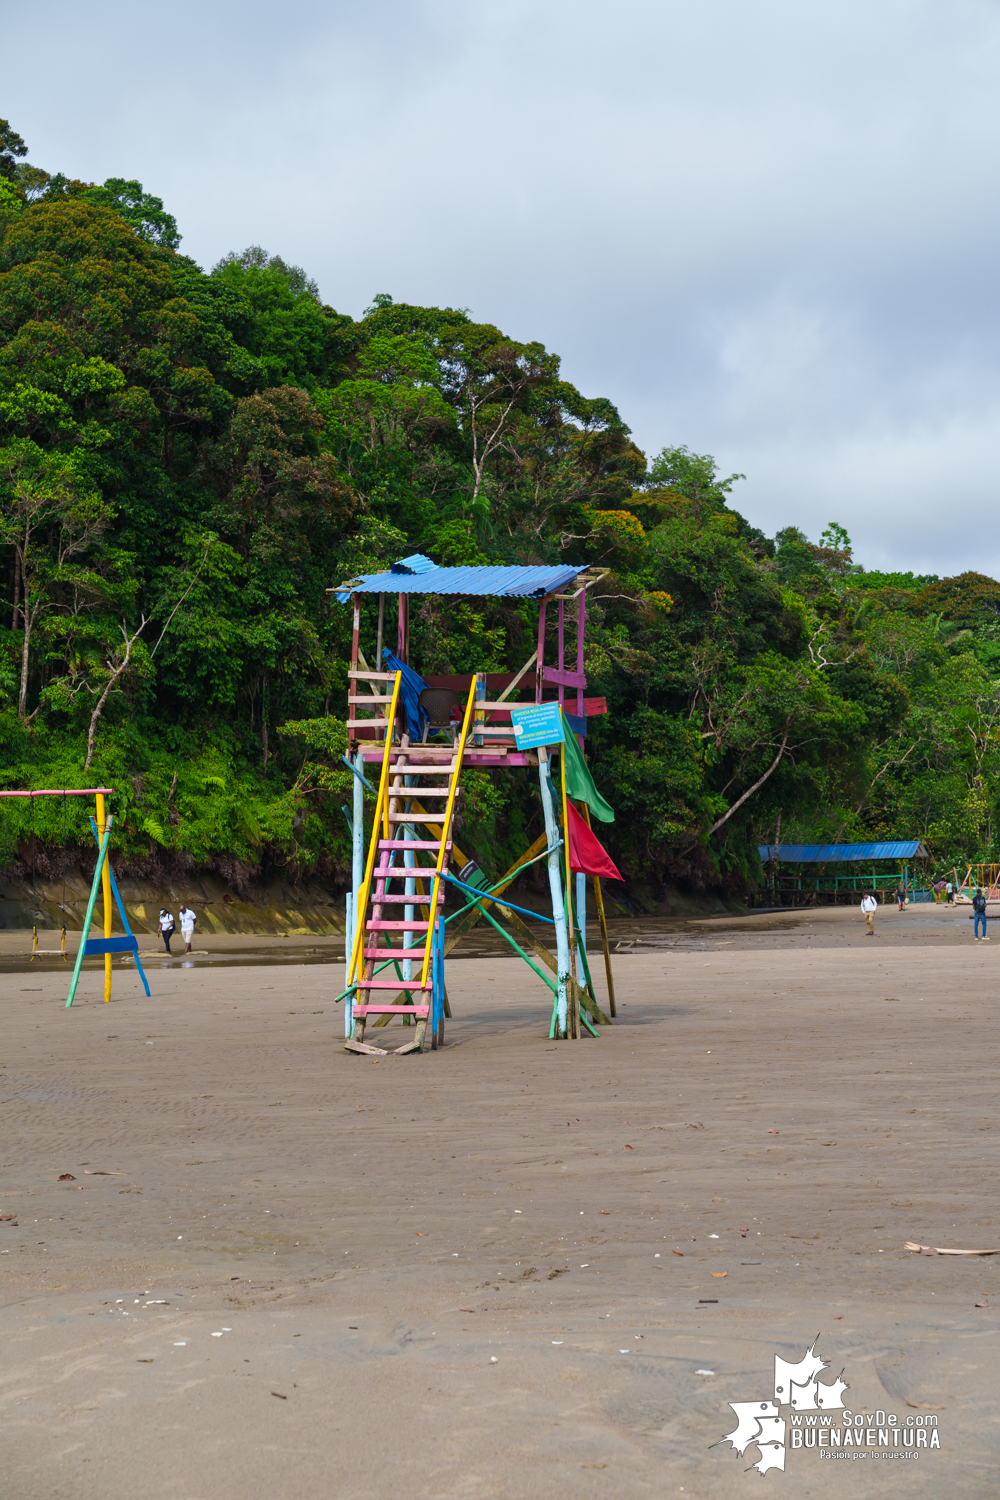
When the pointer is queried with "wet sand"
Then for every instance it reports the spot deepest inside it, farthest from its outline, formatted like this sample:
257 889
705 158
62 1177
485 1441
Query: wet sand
435 1276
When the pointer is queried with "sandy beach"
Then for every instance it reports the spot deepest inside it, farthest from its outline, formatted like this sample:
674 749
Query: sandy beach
510 1267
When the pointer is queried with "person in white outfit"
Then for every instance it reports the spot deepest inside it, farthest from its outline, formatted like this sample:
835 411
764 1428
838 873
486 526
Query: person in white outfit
188 919
166 926
869 906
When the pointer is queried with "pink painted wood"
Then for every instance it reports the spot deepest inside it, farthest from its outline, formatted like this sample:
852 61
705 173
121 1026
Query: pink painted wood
374 1009
393 984
412 844
396 926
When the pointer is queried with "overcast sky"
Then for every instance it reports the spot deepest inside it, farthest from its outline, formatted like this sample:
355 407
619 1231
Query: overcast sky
768 231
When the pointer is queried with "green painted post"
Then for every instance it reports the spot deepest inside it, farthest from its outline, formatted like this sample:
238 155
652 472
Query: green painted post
101 857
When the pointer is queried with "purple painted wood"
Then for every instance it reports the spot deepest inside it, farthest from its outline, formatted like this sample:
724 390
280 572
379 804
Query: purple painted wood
539 678
580 629
562 647
564 678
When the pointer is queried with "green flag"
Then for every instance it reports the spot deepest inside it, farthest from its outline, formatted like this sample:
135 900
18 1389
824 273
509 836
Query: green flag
579 782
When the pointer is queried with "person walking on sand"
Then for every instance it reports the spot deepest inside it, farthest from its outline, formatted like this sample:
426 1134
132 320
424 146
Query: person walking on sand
979 908
869 906
901 895
949 894
188 919
166 926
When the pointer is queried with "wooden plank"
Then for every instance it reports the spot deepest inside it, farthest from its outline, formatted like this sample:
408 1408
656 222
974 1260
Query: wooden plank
434 844
392 984
414 1046
563 677
400 898
403 793
592 706
365 1049
367 698
374 1009
367 676
378 926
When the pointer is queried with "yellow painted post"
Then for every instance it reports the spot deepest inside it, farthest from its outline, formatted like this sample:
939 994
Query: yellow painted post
106 893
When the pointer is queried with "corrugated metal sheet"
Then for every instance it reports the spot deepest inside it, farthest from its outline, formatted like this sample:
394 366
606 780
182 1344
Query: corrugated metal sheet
497 583
823 854
418 563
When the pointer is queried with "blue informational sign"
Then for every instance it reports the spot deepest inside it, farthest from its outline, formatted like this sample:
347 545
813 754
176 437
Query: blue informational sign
539 725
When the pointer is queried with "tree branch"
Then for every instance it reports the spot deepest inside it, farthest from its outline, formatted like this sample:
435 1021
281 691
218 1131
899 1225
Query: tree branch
180 601
756 786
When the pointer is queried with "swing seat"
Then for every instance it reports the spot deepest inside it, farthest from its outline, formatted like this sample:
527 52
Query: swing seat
95 947
37 952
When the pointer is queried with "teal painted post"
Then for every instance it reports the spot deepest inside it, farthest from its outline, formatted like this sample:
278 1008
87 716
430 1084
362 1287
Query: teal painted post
102 855
555 888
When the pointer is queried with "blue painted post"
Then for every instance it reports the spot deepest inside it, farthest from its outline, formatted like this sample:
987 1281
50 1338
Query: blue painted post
554 865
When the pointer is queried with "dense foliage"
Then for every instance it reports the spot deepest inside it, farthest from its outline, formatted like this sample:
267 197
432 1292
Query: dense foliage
188 460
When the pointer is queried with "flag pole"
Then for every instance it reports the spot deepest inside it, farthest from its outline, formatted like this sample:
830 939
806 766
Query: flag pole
599 901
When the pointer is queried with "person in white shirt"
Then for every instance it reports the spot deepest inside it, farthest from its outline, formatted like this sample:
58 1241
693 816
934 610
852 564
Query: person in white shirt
188 919
166 926
869 906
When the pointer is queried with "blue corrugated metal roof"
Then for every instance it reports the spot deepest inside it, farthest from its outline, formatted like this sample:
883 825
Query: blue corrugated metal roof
418 563
497 582
823 854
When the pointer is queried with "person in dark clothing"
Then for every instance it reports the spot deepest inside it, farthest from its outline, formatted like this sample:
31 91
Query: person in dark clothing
166 926
979 907
901 895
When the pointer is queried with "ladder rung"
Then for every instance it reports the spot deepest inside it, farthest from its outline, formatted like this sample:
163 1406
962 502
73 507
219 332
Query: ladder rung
383 898
433 815
424 755
367 698
392 984
401 768
374 676
395 927
392 1010
366 723
401 793
411 844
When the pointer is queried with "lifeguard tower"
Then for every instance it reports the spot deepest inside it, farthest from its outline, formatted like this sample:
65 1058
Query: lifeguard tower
423 732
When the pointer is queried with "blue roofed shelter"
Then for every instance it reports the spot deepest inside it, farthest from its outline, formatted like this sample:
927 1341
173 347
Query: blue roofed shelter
809 887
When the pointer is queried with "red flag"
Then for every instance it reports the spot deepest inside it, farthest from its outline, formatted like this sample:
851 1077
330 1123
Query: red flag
587 855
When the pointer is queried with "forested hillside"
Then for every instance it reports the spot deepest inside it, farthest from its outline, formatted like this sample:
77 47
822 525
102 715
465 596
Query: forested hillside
190 458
